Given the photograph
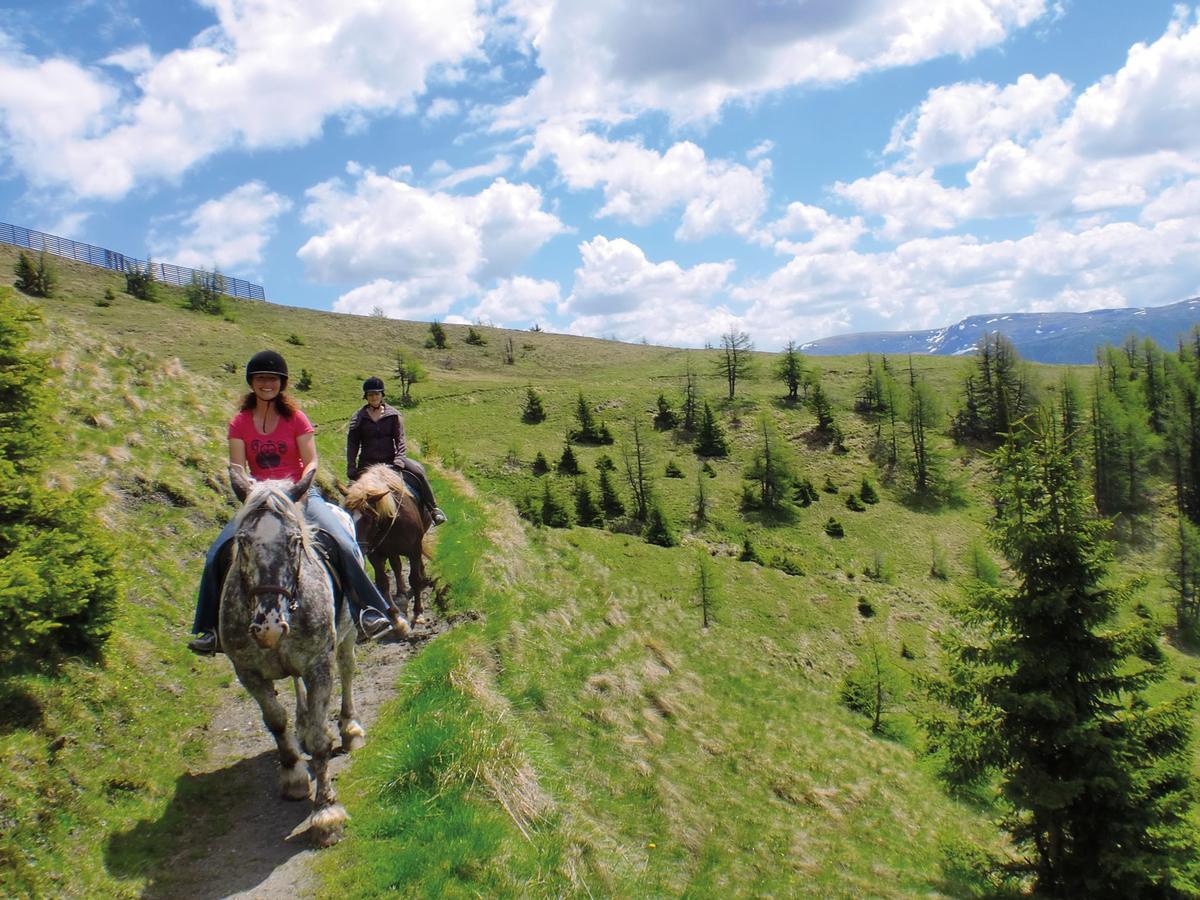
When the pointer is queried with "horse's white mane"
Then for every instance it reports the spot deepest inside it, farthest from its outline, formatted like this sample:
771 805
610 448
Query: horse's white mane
273 495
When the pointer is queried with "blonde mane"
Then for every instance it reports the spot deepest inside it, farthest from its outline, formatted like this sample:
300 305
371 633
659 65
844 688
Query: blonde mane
377 487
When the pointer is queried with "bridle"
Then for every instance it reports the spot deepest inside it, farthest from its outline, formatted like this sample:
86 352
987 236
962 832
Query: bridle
259 590
377 543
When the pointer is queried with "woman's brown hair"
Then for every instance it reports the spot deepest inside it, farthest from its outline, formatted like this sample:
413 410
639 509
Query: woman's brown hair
284 405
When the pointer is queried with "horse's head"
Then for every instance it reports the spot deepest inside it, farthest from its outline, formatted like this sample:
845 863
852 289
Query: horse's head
372 500
270 542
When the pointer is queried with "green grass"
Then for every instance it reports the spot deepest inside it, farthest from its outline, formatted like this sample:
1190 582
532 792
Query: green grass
578 732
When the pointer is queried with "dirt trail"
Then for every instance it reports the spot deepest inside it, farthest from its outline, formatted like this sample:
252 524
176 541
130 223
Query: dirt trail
250 855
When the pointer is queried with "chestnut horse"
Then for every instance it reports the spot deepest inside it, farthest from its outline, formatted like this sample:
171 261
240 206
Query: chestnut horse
391 523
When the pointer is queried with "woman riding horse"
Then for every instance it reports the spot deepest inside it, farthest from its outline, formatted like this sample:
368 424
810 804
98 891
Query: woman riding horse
376 435
274 437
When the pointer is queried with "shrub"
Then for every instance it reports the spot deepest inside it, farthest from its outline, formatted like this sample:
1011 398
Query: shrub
305 381
295 340
881 569
829 487
109 296
854 504
786 564
141 284
604 463
673 470
833 528
658 528
540 466
982 566
590 430
437 336
868 492
805 494
749 553
474 338
939 564
205 293
708 469
529 507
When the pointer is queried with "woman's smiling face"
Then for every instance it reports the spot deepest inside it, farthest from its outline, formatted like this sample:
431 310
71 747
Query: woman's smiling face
266 387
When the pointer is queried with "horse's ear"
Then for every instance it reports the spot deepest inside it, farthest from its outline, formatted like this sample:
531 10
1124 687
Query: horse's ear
300 488
240 482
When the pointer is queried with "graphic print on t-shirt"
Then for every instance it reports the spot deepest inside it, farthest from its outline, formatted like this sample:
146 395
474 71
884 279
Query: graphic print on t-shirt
268 454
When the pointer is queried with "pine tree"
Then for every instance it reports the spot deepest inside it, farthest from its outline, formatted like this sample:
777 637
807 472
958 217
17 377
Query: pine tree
700 507
734 361
1048 696
410 371
534 412
706 587
36 279
636 458
587 511
926 465
665 419
567 463
555 513
59 586
771 467
590 430
710 440
791 370
658 527
822 408
474 338
540 464
610 500
140 283
437 336
691 400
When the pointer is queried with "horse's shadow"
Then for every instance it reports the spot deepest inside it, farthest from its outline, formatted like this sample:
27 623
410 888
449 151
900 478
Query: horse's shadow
196 849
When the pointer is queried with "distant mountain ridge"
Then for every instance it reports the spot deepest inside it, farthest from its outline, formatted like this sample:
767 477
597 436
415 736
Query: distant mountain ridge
1053 337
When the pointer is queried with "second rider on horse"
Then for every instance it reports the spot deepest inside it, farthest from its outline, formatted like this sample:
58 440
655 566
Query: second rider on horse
376 435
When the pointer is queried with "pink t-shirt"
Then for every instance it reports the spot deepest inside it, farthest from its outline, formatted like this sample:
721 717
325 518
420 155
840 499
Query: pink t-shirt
273 455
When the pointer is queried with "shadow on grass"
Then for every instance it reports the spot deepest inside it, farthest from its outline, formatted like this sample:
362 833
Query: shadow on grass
196 850
19 709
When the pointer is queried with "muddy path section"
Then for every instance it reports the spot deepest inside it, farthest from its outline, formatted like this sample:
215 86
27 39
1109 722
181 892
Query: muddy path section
234 837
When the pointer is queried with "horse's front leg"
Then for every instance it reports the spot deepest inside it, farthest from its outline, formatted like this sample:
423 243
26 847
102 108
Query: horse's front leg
379 563
293 773
328 816
401 587
416 578
353 735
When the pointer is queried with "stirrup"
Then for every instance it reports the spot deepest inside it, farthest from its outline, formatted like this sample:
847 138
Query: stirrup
439 517
371 625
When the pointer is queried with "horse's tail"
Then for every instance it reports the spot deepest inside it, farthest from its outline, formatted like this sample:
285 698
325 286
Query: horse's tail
427 544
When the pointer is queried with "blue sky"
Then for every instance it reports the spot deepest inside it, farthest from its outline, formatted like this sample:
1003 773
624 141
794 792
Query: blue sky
666 171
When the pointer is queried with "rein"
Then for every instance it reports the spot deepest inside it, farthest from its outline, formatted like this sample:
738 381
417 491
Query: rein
375 545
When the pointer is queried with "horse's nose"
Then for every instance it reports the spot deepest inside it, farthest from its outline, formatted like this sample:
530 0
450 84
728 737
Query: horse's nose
268 636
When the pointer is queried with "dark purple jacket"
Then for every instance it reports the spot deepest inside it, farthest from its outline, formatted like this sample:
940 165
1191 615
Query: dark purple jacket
369 442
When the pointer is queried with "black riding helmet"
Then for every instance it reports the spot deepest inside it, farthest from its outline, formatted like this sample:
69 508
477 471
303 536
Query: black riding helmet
267 362
374 383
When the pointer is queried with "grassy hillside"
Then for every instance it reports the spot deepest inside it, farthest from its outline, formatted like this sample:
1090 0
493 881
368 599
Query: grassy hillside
580 732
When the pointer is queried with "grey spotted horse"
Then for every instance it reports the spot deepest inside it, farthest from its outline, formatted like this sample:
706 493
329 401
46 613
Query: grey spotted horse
278 621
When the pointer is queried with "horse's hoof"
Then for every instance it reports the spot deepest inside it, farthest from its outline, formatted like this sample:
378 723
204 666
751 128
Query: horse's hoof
353 738
328 825
293 782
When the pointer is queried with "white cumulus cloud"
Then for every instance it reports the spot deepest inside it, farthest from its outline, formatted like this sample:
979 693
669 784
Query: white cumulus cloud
618 291
268 74
640 185
421 250
228 232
